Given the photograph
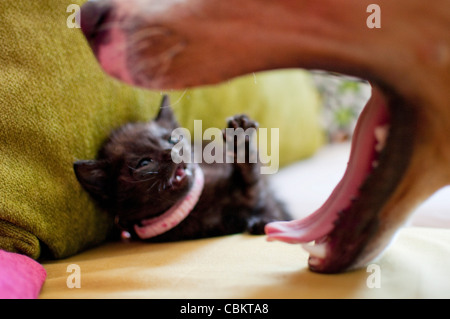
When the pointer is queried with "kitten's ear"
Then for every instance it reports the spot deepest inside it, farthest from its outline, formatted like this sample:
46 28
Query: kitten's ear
165 116
93 176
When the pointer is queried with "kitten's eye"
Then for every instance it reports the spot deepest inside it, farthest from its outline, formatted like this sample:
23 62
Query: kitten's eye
144 162
175 140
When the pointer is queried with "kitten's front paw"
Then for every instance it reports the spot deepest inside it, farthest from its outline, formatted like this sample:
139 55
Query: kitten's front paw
256 224
243 121
240 135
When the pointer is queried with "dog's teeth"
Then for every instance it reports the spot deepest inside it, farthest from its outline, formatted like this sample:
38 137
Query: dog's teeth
317 250
381 134
313 261
125 235
178 178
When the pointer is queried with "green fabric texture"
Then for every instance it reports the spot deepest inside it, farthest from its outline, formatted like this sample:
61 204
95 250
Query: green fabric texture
57 106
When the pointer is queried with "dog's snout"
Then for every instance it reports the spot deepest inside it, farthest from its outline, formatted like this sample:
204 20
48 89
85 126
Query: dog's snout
93 14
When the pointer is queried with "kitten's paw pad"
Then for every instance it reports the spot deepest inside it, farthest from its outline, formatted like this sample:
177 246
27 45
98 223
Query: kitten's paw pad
240 138
240 130
242 121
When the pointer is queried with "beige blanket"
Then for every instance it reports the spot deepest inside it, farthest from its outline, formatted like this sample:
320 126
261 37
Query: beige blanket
243 266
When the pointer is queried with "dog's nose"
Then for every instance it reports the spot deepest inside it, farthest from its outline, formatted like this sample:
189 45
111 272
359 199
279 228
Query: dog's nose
93 14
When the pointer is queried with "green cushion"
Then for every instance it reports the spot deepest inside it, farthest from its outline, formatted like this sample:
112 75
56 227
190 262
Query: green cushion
57 106
286 100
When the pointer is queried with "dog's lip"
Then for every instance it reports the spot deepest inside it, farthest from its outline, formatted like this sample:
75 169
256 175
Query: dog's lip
363 153
349 220
93 14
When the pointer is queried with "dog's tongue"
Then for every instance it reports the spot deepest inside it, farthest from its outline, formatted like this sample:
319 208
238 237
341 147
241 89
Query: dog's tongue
365 144
176 214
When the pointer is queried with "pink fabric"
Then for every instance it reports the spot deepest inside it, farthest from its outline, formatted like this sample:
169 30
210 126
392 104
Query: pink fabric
20 276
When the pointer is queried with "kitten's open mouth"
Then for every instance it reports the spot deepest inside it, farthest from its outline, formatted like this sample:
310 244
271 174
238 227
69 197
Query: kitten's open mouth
164 222
349 221
179 176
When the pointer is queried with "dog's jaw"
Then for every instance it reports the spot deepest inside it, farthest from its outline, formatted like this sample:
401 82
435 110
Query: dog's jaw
407 60
349 229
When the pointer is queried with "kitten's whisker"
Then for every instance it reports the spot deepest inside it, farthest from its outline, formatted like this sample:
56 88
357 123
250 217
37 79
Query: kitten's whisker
149 173
150 188
142 181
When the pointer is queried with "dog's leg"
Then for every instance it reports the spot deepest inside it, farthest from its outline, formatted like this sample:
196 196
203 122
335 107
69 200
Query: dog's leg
175 44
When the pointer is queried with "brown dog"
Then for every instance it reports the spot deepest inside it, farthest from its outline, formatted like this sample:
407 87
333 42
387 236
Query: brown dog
401 149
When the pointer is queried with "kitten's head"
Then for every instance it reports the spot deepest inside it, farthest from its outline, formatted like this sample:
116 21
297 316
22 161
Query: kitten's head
134 176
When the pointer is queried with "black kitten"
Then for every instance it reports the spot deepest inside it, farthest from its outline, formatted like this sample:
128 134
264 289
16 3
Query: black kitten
136 179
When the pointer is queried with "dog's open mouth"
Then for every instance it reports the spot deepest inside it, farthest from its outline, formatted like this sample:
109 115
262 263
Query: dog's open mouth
400 150
164 222
338 233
